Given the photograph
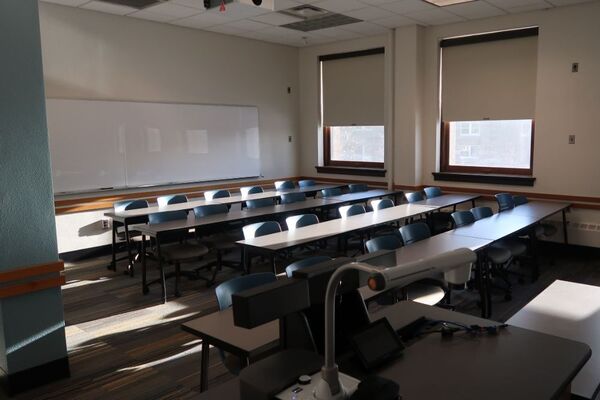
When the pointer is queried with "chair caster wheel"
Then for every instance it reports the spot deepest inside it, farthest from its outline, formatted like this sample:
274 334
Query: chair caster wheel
508 297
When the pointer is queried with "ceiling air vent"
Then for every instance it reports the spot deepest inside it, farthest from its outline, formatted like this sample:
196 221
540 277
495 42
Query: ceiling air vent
314 18
139 4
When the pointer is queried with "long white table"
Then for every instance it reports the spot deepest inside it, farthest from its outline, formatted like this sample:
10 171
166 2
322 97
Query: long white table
571 311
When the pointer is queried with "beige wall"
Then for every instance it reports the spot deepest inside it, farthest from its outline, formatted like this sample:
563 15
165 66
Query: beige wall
92 55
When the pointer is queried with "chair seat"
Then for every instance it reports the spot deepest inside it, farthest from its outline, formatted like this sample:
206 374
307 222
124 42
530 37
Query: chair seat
515 247
425 294
498 254
183 251
224 241
548 229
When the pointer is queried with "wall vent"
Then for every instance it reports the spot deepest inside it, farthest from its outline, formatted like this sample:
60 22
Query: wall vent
314 18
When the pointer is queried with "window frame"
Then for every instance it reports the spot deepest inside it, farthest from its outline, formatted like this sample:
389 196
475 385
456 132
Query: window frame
328 162
445 157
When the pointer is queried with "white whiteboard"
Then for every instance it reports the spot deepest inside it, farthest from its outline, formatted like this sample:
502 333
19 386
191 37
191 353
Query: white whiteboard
116 144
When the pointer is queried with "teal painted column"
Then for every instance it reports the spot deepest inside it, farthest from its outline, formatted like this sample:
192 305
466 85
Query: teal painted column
32 335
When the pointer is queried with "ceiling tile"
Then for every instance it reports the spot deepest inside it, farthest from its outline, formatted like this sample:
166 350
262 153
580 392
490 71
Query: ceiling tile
108 8
378 2
368 13
408 6
285 4
477 9
276 19
202 20
338 33
365 28
226 29
199 4
248 25
340 6
508 4
567 2
395 21
73 3
435 17
235 11
143 14
172 10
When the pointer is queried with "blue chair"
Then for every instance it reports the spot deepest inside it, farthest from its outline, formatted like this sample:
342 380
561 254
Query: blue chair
505 201
122 232
307 262
171 199
381 204
358 187
246 190
481 212
288 198
175 254
298 221
258 203
224 293
210 209
306 183
414 197
414 232
386 242
329 192
432 191
282 185
260 229
462 218
354 209
519 199
216 194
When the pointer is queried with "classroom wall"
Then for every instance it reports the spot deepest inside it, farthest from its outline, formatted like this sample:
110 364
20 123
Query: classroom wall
566 104
92 55
31 325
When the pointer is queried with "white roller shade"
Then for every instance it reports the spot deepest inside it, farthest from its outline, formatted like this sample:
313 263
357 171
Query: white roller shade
353 91
494 80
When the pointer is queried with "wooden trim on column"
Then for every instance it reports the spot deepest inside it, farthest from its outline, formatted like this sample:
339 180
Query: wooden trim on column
25 280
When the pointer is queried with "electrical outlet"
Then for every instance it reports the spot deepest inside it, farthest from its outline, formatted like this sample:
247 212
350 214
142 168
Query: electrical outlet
575 67
289 90
290 139
105 223
571 139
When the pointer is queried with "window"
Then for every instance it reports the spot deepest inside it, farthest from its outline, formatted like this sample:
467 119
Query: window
352 103
488 102
354 146
503 146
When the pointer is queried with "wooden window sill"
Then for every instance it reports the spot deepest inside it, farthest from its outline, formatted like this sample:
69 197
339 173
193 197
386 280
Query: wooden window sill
515 180
360 171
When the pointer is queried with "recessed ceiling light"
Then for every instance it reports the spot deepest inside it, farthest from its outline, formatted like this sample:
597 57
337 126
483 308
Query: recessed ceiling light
444 3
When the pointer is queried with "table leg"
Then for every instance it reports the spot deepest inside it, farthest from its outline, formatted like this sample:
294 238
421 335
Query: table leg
534 255
161 269
144 285
564 221
113 263
204 365
129 257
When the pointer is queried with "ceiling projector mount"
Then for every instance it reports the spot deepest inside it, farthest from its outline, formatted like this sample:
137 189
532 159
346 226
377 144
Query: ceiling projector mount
208 4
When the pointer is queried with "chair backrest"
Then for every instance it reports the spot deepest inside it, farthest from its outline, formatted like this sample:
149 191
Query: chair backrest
481 212
328 192
358 187
246 190
505 201
414 232
414 196
279 185
298 221
130 205
462 218
354 209
171 199
259 203
307 262
166 216
235 285
306 183
210 209
287 198
519 199
385 242
260 229
216 194
381 204
432 191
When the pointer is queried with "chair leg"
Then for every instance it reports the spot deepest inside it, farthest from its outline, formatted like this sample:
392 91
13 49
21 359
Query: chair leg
177 279
273 264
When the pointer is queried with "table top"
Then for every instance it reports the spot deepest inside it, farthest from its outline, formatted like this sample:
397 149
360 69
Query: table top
447 200
496 227
469 368
219 330
232 216
366 195
538 209
571 311
295 237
